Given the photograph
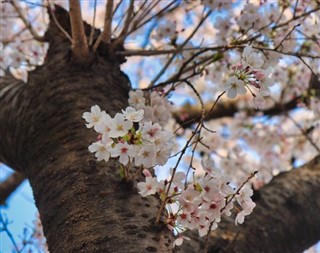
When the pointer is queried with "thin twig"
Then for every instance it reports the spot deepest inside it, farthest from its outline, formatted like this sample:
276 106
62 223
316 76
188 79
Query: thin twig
26 22
293 28
196 131
145 12
125 29
105 36
53 15
303 132
93 23
181 46
157 15
5 228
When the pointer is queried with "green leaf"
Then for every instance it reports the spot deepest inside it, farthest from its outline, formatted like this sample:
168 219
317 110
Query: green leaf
121 172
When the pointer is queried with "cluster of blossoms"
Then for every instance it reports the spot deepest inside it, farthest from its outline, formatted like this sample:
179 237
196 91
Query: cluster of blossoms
135 136
166 29
249 73
200 204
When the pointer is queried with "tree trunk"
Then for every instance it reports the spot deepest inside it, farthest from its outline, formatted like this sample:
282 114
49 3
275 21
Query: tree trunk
84 205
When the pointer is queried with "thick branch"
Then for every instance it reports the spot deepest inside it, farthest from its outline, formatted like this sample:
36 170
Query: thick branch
80 45
8 186
286 218
192 113
12 92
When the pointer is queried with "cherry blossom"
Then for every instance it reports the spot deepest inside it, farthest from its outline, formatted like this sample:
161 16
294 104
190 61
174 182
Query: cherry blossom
146 156
124 151
235 86
166 29
133 115
93 117
251 58
101 149
119 126
149 187
136 99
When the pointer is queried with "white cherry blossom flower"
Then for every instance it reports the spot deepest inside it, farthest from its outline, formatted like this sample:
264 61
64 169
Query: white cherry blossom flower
146 155
251 58
136 99
166 29
235 86
151 131
149 187
124 151
119 126
247 209
101 149
162 155
92 117
103 125
131 114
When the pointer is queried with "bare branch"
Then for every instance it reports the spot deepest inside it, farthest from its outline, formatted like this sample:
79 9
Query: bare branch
26 22
79 39
160 13
126 25
4 227
180 46
303 132
8 186
105 36
228 109
93 23
280 44
55 20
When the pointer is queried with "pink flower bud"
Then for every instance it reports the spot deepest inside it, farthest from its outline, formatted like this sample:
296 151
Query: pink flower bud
146 173
255 84
259 75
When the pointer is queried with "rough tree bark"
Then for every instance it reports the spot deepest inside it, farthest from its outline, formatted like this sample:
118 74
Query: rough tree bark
83 204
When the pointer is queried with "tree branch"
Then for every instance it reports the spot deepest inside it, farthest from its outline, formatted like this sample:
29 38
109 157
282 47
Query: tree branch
105 36
26 22
8 186
53 17
126 25
11 117
226 109
79 39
